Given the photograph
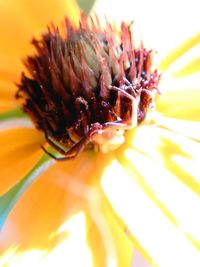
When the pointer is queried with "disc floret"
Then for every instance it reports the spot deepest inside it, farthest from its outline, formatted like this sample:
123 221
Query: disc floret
86 87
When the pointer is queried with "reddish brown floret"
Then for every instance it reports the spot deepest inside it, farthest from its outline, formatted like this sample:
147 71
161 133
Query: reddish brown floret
85 82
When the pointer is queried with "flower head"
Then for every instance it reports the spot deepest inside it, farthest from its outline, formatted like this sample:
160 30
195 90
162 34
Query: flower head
97 209
87 86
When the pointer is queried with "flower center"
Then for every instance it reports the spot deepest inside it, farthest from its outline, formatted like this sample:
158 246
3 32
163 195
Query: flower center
88 86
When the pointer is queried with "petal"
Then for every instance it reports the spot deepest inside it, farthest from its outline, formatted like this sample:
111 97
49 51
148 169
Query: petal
123 246
70 238
180 97
45 212
184 127
189 68
19 22
28 19
21 149
114 248
161 26
171 173
179 203
65 210
186 50
8 75
153 231
165 147
7 104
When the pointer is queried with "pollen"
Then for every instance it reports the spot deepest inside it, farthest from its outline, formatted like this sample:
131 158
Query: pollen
86 86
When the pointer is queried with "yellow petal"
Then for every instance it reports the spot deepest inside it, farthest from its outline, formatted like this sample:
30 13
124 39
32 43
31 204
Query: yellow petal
184 127
45 212
167 148
179 50
114 248
187 64
124 247
7 92
6 105
20 148
180 204
176 193
19 22
69 237
65 209
154 233
189 68
180 97
162 25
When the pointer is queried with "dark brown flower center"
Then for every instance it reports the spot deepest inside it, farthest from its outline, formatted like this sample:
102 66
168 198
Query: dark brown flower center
87 86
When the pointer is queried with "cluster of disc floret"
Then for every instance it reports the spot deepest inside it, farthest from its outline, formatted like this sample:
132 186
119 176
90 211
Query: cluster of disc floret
87 85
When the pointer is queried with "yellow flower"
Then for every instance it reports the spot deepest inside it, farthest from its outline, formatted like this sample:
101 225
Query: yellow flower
96 209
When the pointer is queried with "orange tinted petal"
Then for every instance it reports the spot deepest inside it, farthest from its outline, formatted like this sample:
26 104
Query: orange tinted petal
7 92
20 148
60 194
6 105
19 22
47 203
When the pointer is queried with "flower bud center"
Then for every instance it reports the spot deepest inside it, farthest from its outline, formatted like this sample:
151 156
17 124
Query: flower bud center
87 87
